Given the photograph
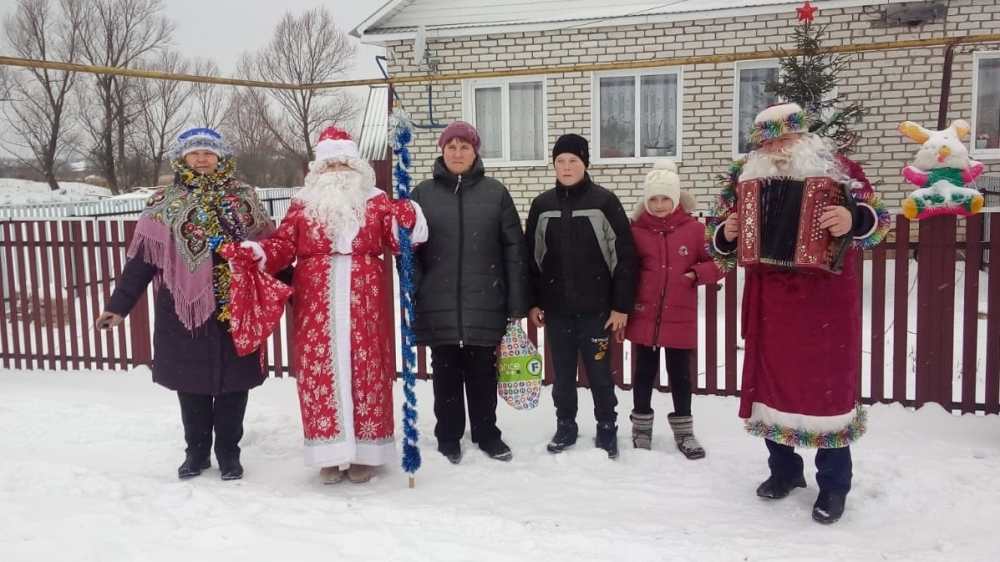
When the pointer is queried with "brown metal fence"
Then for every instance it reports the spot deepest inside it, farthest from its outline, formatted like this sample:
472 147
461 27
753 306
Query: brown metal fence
57 273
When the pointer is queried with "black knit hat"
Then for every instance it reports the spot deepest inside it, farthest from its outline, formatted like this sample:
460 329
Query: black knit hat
573 144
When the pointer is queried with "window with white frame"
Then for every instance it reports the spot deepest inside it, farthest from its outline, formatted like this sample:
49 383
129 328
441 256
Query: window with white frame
751 98
986 101
637 115
510 118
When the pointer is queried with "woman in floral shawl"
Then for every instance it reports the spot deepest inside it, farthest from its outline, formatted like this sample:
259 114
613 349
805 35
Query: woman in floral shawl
175 246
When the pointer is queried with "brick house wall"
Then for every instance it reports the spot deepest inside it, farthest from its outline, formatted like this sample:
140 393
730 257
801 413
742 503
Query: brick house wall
894 86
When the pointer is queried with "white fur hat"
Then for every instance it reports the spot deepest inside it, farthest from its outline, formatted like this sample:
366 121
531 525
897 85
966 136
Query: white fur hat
337 145
777 120
663 180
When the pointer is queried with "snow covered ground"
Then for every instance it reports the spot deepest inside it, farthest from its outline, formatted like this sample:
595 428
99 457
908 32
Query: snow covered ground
24 192
88 473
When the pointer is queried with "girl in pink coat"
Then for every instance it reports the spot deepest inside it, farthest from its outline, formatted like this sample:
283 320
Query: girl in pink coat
673 262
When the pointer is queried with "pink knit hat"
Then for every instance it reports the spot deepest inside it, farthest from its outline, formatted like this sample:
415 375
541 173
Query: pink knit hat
459 130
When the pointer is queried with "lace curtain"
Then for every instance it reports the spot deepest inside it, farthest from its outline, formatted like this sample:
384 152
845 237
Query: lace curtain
653 124
489 121
526 113
753 99
988 104
527 122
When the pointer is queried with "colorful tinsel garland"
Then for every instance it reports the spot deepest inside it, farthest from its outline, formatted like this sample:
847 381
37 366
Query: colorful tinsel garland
222 222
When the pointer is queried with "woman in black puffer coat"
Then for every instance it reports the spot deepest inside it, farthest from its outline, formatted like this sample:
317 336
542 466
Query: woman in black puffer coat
471 278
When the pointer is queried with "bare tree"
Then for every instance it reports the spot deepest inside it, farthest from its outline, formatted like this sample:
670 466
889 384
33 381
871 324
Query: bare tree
6 84
161 111
118 33
304 50
253 143
208 100
41 118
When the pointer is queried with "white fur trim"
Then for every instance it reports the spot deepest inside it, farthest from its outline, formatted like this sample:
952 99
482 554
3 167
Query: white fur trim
715 240
770 416
327 149
777 112
874 222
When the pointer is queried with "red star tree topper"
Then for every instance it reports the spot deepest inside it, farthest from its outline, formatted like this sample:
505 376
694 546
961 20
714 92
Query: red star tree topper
806 12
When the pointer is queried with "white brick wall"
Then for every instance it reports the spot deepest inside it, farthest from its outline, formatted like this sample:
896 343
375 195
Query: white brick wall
895 85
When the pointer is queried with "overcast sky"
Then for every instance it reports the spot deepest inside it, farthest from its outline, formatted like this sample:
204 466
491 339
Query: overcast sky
249 25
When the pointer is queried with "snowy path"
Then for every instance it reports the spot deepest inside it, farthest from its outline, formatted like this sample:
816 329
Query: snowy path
88 473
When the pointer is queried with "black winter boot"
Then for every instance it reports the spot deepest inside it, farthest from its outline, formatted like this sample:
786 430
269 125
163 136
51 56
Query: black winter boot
566 434
497 450
230 408
451 450
829 507
642 430
230 467
196 415
775 487
607 438
193 465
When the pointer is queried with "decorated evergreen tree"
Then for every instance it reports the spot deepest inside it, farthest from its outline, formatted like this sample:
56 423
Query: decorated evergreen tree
809 78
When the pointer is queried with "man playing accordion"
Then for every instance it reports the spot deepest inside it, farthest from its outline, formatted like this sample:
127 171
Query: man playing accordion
802 326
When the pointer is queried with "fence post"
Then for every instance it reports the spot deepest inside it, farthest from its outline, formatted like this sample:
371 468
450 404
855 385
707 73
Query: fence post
936 310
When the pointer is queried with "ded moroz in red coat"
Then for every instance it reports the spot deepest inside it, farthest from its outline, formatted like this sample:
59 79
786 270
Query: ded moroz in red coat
803 335
669 247
344 361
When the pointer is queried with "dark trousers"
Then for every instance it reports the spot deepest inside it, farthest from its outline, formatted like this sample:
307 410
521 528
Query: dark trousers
833 466
476 367
569 337
647 370
201 413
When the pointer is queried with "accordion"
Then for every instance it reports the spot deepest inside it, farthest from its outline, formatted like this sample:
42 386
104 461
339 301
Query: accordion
779 223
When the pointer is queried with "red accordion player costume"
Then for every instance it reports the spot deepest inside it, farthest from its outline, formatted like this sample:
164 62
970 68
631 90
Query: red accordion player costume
803 336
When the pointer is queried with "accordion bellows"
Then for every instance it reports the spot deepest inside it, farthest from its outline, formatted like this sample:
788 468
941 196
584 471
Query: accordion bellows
779 223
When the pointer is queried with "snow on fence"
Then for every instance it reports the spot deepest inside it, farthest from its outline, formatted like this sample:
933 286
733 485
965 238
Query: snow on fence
275 199
60 271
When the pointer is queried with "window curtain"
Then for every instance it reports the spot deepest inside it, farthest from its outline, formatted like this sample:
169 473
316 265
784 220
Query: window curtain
489 121
658 111
753 99
988 104
527 121
617 116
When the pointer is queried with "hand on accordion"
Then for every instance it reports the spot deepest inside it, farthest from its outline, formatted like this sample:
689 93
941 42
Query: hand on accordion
731 228
837 219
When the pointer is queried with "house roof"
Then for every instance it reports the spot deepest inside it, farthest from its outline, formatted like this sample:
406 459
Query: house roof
400 19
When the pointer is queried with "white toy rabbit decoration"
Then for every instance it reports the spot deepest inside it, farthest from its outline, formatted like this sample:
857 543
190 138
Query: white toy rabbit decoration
940 170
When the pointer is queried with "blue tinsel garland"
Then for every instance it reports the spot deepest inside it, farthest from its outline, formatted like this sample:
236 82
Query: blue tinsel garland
400 135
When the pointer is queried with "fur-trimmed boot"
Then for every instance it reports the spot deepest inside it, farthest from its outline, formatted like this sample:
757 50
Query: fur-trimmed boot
683 428
642 430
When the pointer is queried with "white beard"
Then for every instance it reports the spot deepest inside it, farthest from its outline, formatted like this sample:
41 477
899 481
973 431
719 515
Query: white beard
807 157
335 200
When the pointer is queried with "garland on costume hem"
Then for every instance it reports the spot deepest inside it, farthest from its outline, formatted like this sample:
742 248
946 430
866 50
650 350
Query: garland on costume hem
774 128
400 135
214 210
794 437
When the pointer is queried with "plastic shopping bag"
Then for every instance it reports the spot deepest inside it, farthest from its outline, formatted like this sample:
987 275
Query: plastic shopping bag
519 376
